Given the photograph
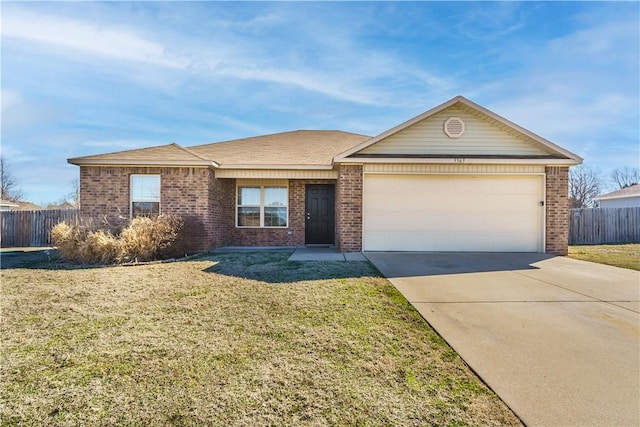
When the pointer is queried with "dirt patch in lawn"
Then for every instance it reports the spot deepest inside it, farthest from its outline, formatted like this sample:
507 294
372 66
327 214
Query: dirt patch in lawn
228 339
624 255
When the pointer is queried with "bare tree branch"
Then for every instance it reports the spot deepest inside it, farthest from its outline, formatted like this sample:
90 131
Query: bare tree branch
625 177
8 183
584 185
72 197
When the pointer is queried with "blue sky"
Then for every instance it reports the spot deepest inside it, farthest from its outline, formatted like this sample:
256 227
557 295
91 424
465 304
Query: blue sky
89 78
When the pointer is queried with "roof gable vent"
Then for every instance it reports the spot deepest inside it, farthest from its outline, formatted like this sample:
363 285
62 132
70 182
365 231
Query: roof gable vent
454 127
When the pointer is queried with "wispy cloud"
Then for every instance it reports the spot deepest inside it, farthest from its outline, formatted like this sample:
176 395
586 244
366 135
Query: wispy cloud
88 77
339 70
91 38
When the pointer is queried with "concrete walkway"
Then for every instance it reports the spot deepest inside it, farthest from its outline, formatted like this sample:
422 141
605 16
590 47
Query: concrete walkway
300 253
303 253
557 339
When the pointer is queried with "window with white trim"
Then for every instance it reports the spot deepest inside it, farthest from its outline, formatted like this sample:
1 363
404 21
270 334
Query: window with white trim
145 195
262 206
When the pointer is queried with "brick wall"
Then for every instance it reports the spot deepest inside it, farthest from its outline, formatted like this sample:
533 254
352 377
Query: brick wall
104 192
290 236
206 203
557 210
349 208
222 203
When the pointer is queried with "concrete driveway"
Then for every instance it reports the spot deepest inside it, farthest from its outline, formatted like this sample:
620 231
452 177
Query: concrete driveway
556 338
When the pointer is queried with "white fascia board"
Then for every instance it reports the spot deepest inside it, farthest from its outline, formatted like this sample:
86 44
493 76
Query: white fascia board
624 196
279 167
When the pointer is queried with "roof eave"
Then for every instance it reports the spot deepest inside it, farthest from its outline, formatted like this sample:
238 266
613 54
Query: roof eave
461 160
172 163
274 166
626 196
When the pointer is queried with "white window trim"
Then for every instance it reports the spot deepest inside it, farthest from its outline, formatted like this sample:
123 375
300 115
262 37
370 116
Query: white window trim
132 200
261 186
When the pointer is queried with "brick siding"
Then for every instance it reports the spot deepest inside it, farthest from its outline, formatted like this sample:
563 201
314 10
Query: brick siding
349 208
208 206
104 194
557 210
294 235
206 203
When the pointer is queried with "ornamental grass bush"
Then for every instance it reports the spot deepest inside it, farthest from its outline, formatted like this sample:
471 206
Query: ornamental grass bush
146 238
142 239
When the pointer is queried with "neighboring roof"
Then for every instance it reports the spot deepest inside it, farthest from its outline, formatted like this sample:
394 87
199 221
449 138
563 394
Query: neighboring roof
557 153
297 148
310 148
27 206
63 205
8 203
172 154
624 193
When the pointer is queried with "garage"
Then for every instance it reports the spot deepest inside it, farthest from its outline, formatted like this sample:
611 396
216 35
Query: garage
466 213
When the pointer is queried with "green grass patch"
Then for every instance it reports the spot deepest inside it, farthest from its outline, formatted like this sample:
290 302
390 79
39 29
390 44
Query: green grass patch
231 339
624 255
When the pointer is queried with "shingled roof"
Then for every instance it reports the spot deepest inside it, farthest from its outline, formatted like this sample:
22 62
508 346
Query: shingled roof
302 148
172 154
630 191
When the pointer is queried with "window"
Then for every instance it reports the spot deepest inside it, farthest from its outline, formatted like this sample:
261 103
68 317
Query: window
145 195
262 206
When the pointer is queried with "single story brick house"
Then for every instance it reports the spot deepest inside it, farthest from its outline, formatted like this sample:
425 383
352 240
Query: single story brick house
628 197
455 178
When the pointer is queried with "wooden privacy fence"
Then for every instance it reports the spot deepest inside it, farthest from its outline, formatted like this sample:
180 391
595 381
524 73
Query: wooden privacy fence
32 228
604 225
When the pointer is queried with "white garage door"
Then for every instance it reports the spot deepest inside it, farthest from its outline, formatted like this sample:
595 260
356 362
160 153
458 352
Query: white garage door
453 213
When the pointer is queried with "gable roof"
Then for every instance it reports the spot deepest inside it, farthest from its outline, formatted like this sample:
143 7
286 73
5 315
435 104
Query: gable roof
533 147
624 193
321 149
170 154
301 148
296 149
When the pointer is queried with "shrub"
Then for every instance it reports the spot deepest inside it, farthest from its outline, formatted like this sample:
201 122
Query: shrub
143 239
100 247
69 240
147 238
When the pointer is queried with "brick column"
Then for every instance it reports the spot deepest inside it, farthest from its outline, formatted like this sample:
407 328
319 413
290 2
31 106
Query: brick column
557 210
349 208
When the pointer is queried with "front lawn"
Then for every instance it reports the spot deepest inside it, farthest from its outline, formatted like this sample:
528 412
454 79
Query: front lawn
228 339
625 256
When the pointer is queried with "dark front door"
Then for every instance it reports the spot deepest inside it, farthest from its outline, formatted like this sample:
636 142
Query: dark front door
320 214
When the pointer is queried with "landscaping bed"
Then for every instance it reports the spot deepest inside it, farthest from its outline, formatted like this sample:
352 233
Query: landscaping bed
227 339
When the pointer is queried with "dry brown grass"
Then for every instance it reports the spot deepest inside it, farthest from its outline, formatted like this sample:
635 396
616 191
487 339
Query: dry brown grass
142 239
230 339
